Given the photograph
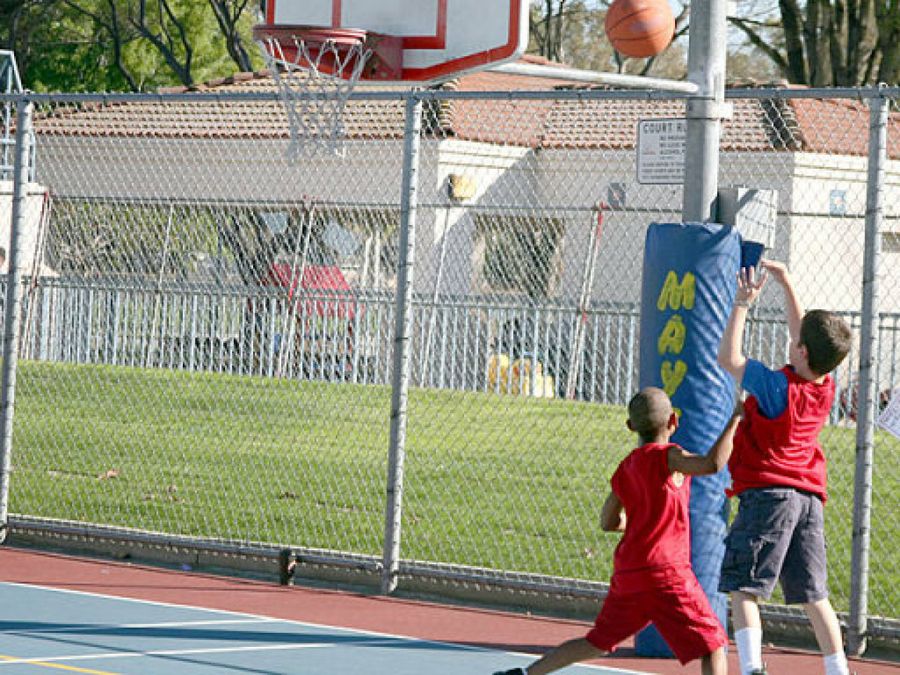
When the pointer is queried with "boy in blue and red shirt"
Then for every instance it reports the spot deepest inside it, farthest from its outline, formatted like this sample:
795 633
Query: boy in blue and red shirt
778 472
652 577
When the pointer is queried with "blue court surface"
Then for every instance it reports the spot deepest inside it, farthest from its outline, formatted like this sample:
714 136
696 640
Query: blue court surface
46 629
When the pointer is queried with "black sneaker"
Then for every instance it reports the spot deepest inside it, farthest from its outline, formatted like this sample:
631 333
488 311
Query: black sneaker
514 671
759 671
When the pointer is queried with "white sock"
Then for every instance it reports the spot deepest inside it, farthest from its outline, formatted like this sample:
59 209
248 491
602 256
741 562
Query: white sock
749 647
836 664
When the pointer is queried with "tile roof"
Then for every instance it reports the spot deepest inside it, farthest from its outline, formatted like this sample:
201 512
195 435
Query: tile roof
841 126
208 119
838 126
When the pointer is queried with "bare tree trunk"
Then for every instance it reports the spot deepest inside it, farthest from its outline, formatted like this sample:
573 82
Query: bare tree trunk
793 29
560 21
549 35
861 40
817 34
548 30
887 15
828 42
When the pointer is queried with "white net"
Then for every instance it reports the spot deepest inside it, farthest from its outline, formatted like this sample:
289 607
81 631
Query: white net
315 80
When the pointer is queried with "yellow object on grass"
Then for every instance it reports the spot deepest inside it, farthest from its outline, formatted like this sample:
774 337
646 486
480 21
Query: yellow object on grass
498 373
516 377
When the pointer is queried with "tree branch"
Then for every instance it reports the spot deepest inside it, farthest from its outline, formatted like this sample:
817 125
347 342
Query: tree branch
747 28
228 15
111 25
161 38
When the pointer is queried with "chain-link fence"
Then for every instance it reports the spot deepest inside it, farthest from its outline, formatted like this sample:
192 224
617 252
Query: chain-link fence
207 330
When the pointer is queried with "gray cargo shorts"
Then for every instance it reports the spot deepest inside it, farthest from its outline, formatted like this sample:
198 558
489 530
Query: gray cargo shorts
778 535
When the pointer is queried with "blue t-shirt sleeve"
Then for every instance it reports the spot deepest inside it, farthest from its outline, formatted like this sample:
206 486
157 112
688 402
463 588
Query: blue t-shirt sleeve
770 387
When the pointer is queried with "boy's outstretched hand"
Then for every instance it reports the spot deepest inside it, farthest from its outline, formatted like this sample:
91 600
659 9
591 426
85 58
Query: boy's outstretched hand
777 270
749 284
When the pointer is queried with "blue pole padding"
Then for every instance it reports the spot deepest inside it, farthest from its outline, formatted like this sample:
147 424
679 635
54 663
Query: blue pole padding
688 287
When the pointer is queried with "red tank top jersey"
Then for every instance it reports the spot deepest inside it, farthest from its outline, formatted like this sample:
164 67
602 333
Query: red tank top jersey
784 451
657 532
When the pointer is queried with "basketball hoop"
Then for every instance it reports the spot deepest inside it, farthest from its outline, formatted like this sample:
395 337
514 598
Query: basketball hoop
319 51
315 70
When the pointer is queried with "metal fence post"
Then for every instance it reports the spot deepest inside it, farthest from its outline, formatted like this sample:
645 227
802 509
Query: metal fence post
402 335
866 397
13 302
706 69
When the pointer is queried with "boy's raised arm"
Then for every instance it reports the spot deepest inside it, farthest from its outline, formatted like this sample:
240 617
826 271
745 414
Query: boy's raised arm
731 349
713 462
792 307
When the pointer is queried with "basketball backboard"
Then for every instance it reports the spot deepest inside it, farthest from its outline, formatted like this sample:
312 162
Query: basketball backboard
438 38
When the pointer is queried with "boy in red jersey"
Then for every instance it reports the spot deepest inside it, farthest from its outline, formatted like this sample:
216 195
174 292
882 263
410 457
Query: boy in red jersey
778 472
652 577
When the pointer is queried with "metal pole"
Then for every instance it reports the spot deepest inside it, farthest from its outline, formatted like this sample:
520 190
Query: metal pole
10 83
584 300
593 77
704 111
402 336
438 278
706 69
13 300
865 421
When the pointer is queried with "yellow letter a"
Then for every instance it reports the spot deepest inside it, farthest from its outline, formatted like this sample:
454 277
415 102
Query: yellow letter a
672 337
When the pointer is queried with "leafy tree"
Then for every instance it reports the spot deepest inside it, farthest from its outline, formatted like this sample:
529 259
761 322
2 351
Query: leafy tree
55 48
169 27
114 45
231 15
13 13
111 32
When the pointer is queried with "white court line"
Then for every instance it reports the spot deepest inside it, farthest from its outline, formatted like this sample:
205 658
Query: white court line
163 652
602 670
134 626
139 601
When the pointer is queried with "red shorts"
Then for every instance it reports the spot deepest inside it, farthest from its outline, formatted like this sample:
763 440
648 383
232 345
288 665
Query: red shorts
674 601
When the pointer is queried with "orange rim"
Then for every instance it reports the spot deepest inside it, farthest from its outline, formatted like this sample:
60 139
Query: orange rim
312 35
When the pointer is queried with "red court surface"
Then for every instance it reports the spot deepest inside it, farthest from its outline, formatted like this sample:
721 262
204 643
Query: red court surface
396 616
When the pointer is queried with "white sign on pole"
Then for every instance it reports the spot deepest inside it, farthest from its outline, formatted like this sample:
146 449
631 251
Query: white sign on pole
889 420
660 156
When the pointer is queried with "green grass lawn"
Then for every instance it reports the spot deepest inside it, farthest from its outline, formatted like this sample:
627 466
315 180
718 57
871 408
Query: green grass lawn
490 480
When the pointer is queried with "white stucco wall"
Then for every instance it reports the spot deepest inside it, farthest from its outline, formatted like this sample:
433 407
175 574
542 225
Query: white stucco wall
190 169
823 248
31 260
449 254
826 247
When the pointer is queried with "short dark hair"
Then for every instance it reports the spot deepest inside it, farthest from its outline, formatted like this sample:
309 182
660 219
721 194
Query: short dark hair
649 411
827 339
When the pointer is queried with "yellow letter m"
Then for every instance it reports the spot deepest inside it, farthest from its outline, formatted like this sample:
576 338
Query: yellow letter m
676 295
